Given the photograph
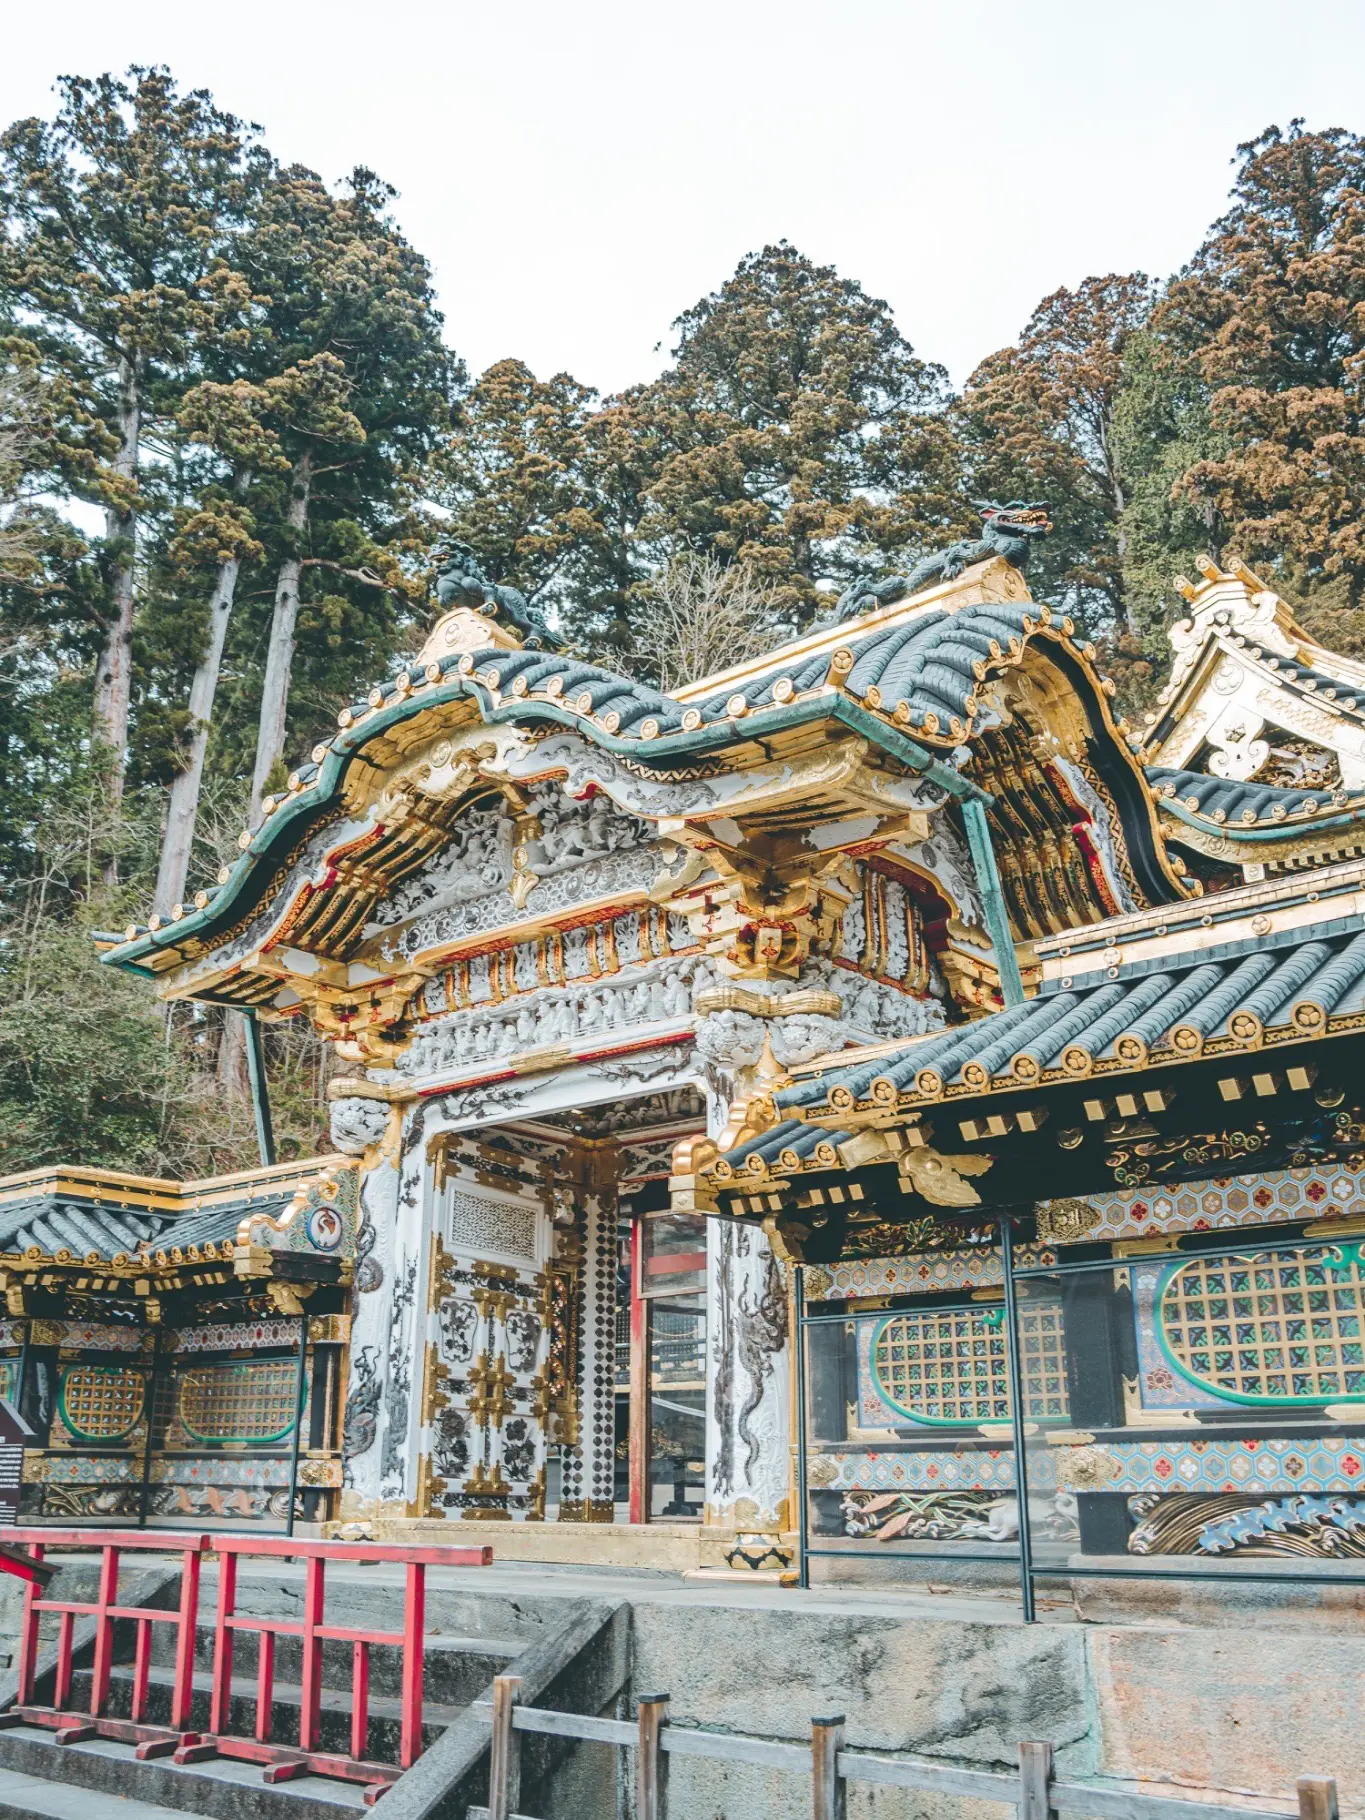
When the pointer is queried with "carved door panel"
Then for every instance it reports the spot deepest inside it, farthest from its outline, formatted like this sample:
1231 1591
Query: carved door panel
489 1398
518 1402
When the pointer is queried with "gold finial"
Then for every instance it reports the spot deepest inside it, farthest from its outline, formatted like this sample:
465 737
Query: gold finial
769 1072
1248 577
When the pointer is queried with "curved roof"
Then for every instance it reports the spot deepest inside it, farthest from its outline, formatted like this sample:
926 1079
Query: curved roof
914 668
1225 799
56 1223
1235 997
926 671
106 1214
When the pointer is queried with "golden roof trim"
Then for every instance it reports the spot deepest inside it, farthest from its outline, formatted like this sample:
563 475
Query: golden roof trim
118 1187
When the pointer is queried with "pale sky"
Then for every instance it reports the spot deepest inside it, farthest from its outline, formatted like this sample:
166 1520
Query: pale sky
580 173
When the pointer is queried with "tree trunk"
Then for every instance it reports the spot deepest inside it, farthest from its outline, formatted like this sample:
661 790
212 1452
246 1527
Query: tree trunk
233 1078
1120 501
113 685
183 809
280 656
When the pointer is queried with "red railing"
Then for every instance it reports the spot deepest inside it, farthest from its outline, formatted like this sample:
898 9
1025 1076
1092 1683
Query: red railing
71 1727
281 1762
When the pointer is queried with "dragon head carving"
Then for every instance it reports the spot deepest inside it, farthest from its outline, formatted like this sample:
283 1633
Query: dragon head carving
1013 529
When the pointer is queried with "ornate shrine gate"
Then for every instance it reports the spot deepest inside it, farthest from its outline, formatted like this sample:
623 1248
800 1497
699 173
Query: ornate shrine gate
581 946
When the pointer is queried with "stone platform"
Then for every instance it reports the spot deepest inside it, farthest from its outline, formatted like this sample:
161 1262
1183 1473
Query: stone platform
1225 1691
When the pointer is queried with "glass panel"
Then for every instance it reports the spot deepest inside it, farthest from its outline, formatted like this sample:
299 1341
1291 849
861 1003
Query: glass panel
1216 1413
908 1450
677 1408
674 1254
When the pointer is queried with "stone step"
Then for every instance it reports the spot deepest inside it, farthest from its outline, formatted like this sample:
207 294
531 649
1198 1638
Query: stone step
386 1712
29 1798
221 1789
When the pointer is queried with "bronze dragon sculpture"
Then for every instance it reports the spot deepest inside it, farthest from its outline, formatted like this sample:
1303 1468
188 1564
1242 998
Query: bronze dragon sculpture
1009 531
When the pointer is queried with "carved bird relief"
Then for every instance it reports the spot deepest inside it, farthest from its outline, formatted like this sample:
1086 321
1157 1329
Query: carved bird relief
939 1178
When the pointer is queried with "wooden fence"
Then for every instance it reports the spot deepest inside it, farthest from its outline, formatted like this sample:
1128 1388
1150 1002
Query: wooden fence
831 1766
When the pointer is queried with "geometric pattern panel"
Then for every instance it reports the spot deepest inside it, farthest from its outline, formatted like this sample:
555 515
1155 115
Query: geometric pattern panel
946 1367
1322 1191
235 1336
89 1336
81 1469
480 1226
979 1469
100 1405
1274 1327
251 1404
917 1273
220 1471
587 1485
1314 1463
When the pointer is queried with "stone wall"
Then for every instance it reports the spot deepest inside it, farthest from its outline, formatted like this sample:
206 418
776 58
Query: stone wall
1230 1698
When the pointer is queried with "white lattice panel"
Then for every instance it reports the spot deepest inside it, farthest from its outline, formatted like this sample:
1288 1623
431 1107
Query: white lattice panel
498 1227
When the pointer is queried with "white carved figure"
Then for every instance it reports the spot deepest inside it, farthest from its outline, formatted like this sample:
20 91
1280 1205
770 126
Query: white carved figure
875 1012
572 832
466 885
1048 1516
627 939
477 860
897 930
853 931
732 1039
802 1038
356 1124
659 991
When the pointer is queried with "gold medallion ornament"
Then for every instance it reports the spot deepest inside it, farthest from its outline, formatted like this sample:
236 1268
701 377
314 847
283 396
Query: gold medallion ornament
1065 1221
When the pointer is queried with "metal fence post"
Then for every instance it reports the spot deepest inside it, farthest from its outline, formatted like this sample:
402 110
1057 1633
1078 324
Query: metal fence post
1317 1798
504 1761
802 1445
1018 1415
651 1765
1035 1781
829 1795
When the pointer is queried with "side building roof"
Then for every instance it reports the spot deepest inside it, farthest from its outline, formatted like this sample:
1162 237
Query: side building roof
1249 970
70 1214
